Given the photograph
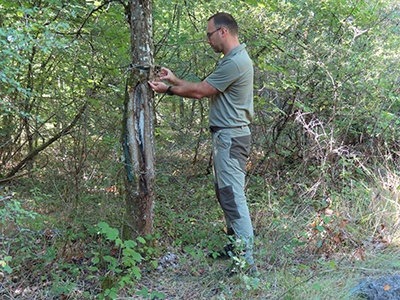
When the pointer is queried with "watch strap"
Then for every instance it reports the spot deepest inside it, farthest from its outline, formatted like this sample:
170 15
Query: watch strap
169 92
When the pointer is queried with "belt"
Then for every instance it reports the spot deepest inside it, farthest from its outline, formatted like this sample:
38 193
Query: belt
215 128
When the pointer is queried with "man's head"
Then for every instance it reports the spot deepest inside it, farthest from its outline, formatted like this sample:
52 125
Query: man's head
222 19
222 32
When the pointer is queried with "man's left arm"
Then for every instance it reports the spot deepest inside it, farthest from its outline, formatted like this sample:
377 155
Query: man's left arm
182 87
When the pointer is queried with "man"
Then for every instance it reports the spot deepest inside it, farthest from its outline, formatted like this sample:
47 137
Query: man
230 89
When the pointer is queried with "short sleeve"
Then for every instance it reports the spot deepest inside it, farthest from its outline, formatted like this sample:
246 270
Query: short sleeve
224 75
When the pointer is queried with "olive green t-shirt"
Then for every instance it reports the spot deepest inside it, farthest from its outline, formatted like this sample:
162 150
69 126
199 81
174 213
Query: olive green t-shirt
233 78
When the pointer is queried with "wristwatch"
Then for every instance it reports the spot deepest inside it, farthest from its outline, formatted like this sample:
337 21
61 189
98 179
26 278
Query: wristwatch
169 92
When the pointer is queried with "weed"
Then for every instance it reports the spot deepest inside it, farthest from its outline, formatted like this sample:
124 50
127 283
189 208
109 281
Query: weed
122 262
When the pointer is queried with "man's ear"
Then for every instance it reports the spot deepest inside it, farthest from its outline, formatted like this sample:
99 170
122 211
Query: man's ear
224 30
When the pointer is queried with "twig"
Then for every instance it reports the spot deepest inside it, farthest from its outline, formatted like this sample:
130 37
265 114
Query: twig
5 289
5 198
177 44
304 281
14 177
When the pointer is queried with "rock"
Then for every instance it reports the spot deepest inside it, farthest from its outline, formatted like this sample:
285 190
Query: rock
384 288
169 260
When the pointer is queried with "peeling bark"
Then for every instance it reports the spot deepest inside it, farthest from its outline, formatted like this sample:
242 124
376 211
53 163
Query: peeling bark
138 135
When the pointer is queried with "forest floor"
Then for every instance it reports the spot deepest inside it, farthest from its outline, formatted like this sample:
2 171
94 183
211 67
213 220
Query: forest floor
58 242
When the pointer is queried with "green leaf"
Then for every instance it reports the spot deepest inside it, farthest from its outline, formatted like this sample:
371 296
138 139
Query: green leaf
112 234
113 295
143 292
132 253
158 295
189 249
136 272
320 228
327 220
103 225
110 259
7 269
142 240
155 263
130 244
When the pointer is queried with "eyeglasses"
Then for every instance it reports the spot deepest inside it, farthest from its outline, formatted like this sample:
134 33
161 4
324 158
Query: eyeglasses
209 34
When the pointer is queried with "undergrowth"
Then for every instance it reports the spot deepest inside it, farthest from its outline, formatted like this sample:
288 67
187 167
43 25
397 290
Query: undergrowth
310 242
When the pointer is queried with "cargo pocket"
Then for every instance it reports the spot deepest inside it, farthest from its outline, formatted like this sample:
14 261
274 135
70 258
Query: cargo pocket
240 150
226 199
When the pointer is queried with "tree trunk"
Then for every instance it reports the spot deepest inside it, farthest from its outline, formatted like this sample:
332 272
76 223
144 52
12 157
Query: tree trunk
138 133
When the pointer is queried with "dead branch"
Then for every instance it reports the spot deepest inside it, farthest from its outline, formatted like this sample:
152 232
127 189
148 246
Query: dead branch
37 150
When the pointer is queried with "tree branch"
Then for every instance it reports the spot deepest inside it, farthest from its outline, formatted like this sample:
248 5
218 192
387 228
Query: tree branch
37 150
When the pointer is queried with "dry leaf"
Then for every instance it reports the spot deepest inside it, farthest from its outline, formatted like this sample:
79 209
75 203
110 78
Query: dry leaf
343 223
329 212
113 251
361 252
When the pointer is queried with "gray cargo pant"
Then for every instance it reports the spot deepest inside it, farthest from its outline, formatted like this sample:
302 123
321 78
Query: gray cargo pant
230 150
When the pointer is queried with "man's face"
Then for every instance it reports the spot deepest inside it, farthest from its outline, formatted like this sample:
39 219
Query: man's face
213 37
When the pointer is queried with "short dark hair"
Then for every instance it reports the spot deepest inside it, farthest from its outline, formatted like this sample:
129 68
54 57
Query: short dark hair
223 19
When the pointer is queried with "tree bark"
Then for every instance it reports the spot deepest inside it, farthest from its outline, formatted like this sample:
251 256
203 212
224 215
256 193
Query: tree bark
138 132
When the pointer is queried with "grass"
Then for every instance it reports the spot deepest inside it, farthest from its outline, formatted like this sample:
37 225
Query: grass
309 244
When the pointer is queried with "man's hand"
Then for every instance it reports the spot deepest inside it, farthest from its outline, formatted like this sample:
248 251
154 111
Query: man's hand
182 87
158 87
168 76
